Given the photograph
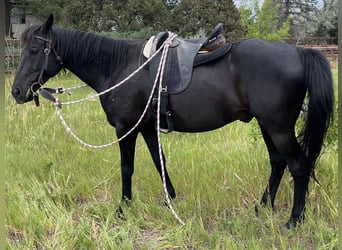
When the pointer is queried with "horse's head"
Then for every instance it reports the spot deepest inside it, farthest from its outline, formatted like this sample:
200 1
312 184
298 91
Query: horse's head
39 61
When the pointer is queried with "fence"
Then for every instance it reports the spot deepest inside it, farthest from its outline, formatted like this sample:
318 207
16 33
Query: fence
311 41
12 54
328 46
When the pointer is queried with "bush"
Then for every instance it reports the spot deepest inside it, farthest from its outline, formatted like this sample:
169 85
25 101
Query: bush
143 33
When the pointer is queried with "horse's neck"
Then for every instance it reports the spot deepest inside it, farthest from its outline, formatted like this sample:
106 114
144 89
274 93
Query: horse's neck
90 76
85 60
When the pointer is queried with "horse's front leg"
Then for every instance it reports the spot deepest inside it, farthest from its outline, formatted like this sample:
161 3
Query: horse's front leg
150 136
127 152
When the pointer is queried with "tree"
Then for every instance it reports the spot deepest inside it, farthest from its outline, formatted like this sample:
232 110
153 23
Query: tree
145 13
324 21
7 17
127 15
83 15
191 18
186 17
264 22
301 13
41 9
231 19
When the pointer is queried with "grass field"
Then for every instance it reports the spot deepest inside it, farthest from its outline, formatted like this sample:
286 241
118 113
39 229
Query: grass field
61 195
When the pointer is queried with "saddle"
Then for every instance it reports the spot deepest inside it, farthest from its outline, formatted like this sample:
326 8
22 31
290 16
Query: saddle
183 56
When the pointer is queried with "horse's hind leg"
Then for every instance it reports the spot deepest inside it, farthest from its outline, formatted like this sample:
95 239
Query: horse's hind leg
301 175
151 139
278 165
287 144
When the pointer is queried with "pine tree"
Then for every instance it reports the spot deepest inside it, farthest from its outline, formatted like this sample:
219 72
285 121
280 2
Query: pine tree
301 13
231 19
324 21
194 18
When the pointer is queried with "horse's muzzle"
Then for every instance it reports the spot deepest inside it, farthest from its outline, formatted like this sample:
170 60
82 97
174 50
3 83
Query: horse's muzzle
21 96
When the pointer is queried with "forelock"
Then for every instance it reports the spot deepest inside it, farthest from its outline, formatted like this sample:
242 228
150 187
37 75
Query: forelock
27 34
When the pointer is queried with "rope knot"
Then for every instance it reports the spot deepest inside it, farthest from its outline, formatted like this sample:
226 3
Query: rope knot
168 41
58 104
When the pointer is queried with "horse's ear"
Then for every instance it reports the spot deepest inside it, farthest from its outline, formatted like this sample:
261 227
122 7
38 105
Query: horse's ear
48 24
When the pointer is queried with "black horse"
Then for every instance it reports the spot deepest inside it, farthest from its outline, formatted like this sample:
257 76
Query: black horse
261 79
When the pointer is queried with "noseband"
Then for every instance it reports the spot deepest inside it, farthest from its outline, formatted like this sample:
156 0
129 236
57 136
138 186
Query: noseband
37 86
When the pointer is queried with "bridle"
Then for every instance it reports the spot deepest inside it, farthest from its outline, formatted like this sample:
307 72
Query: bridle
36 88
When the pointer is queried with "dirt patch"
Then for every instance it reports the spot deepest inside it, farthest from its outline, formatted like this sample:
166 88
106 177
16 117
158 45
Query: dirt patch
15 236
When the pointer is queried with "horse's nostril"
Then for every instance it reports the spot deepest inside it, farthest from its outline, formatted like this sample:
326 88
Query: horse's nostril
16 92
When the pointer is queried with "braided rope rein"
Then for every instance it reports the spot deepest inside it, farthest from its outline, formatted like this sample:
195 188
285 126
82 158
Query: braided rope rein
159 77
168 200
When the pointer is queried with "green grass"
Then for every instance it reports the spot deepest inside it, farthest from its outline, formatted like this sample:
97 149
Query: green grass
61 195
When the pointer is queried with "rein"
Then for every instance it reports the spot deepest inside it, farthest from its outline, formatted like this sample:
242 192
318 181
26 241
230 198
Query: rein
47 94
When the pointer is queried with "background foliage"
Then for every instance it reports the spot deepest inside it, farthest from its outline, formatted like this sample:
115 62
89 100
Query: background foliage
263 21
268 19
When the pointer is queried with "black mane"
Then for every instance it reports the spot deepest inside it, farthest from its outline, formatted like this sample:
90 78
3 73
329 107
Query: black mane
84 49
88 49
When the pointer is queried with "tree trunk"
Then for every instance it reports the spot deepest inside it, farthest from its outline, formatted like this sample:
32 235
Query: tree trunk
8 29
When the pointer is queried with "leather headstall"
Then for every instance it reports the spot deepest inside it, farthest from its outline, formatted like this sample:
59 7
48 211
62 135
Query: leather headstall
36 88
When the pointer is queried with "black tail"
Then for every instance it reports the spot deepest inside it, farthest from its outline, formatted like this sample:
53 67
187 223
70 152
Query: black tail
319 82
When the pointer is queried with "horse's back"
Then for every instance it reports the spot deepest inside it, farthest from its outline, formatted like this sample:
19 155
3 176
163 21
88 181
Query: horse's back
257 55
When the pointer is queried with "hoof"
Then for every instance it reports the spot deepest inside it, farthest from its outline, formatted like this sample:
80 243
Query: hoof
256 209
120 214
120 211
294 222
289 225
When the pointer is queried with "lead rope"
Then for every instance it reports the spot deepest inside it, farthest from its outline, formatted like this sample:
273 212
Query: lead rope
168 200
69 130
159 77
68 90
